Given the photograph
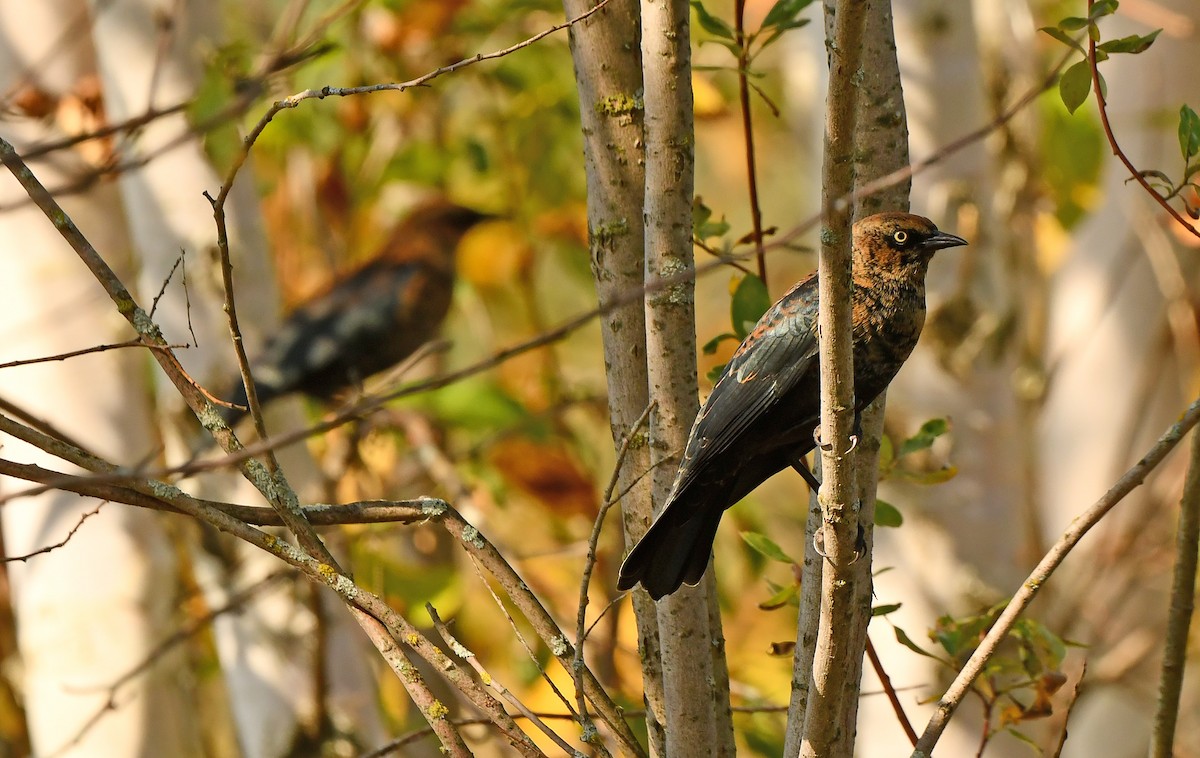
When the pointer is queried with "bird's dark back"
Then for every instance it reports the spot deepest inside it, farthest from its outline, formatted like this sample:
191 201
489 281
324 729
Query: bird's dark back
370 319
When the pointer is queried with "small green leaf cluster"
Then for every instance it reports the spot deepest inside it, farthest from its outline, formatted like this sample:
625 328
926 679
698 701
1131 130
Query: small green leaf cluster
781 594
1076 82
783 16
890 457
1018 683
1189 147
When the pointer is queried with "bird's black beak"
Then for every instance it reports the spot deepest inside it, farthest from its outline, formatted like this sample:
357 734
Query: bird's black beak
941 240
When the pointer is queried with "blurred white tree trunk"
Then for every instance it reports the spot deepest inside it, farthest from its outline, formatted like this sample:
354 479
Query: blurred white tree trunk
267 650
92 610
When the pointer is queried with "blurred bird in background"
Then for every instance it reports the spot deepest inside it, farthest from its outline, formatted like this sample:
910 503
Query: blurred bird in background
369 320
765 407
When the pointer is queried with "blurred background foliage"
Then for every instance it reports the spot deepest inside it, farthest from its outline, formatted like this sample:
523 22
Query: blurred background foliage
524 450
528 441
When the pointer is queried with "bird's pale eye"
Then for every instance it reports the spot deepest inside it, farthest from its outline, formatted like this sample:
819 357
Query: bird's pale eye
900 237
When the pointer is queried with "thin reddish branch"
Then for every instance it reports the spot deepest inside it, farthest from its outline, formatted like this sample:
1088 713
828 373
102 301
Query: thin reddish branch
1102 108
748 135
890 691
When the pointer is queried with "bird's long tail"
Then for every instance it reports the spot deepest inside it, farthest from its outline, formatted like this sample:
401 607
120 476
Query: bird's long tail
672 552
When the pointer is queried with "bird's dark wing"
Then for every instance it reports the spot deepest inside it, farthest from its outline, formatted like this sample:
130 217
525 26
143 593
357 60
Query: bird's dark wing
334 339
767 366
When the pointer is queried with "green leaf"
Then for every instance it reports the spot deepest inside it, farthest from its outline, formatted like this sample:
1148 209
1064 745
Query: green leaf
785 595
1063 37
1134 43
1102 8
887 454
478 403
713 229
887 514
711 346
710 23
883 610
701 213
776 33
714 373
1072 23
703 226
944 474
765 546
750 302
784 12
903 638
1075 84
1189 132
923 439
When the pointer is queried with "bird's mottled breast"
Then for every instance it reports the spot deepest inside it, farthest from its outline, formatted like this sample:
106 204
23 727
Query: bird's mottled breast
888 313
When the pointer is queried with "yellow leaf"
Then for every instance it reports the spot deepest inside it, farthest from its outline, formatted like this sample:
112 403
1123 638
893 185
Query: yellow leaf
707 100
493 254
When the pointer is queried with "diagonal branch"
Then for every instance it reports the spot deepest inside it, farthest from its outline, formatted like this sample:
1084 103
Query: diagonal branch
1029 589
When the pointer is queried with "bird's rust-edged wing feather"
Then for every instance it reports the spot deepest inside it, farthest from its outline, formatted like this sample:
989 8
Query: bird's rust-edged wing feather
766 367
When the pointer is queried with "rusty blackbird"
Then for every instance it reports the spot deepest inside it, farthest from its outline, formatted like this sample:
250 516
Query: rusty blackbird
765 407
370 319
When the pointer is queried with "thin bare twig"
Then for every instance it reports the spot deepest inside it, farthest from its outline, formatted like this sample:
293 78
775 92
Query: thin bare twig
1029 589
235 603
739 12
87 350
60 543
589 563
420 734
483 553
166 281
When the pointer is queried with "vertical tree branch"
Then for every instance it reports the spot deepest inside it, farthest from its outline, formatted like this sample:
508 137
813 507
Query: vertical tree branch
697 706
1183 592
880 147
606 50
825 715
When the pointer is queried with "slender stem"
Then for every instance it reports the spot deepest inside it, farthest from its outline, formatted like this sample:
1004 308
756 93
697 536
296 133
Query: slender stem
1102 107
748 134
1183 590
890 691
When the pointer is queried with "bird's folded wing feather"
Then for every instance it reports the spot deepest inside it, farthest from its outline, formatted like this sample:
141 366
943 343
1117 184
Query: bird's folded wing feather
346 318
766 367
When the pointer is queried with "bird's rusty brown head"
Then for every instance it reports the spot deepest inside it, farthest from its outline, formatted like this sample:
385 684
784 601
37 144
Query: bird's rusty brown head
900 238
